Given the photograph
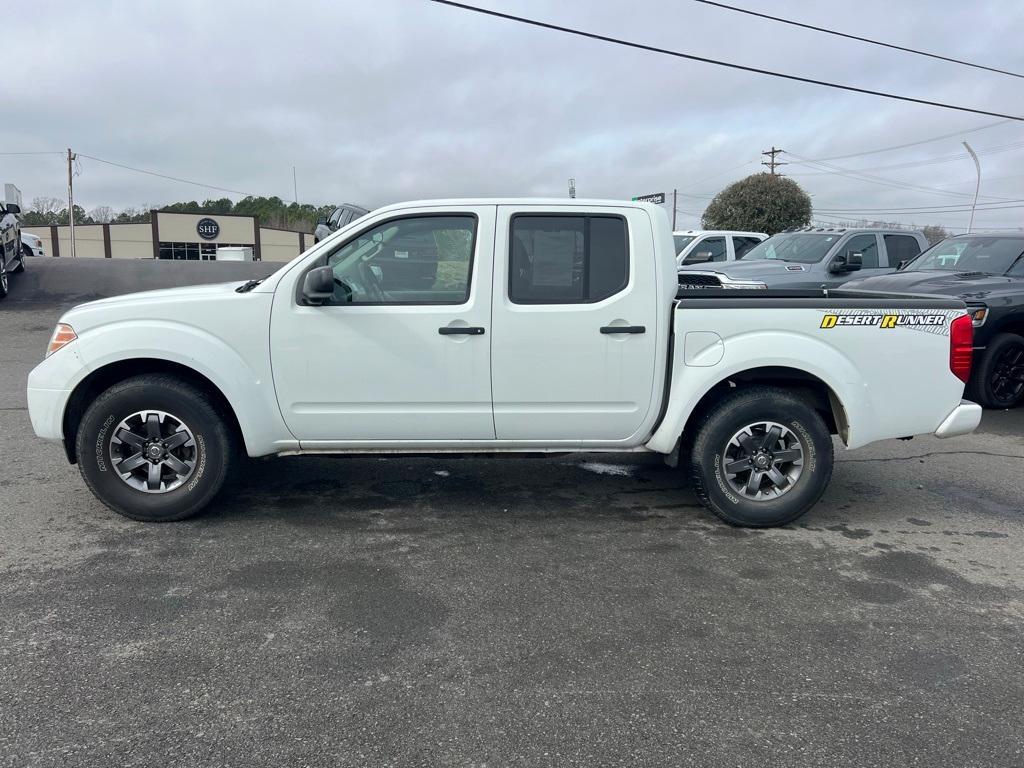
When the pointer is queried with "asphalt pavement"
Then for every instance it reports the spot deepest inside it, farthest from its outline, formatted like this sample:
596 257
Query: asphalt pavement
569 611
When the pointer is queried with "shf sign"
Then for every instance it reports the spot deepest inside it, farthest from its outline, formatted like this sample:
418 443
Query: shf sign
657 197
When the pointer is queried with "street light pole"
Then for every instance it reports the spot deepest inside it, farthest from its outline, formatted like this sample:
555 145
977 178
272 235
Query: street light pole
977 186
71 200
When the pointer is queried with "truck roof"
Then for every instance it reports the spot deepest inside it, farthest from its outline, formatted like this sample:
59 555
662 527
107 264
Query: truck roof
546 201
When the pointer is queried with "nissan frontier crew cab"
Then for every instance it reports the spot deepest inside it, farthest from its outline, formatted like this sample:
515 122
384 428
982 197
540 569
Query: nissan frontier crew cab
496 326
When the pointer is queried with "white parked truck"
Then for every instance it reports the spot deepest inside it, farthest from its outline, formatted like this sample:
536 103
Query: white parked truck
496 326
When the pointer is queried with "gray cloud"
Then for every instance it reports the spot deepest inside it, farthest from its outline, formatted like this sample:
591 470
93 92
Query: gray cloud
380 101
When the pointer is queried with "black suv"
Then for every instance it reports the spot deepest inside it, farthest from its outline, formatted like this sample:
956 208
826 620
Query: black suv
987 272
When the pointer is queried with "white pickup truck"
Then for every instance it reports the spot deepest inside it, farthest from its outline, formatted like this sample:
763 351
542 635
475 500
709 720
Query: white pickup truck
495 326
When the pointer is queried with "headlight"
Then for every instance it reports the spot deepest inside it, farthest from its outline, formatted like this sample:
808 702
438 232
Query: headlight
63 335
978 315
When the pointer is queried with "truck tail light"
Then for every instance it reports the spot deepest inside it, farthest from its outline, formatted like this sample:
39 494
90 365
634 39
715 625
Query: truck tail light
961 343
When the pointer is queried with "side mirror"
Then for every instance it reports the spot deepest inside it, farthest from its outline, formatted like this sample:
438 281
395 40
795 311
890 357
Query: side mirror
13 208
318 286
322 220
847 262
903 264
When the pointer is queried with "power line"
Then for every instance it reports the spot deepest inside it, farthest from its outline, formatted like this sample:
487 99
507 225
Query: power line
730 65
9 154
932 161
857 176
928 208
165 176
858 38
909 144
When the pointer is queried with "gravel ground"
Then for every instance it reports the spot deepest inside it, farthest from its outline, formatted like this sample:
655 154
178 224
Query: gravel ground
571 611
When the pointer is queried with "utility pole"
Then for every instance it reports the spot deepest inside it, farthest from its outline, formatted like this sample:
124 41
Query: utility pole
771 164
977 186
295 185
71 200
572 189
674 191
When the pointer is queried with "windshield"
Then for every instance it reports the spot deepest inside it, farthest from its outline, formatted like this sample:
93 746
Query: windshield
682 241
994 255
801 247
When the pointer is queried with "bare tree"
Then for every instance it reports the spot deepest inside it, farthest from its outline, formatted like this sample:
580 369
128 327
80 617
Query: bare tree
102 214
46 205
934 233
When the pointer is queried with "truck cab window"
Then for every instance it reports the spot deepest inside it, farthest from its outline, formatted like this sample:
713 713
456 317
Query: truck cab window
867 246
567 259
900 248
415 260
707 250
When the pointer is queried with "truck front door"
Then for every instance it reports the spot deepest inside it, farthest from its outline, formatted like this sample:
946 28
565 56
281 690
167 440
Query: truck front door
401 352
574 323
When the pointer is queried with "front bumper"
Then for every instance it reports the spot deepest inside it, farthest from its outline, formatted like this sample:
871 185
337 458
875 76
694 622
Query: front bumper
964 419
46 411
50 385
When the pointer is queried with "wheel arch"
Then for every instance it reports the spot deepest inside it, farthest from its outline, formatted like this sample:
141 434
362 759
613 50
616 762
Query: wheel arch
1013 324
112 373
820 394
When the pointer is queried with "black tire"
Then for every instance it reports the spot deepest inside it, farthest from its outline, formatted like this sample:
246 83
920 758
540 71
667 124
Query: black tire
801 428
4 285
211 453
998 377
26 252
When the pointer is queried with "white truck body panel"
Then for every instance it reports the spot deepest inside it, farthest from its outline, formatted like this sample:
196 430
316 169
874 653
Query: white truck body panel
542 377
874 373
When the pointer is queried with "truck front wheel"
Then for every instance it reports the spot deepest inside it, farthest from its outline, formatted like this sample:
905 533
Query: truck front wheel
761 457
154 448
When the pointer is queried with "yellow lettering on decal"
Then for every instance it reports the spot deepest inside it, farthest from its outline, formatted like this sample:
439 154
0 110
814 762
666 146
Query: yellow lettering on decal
829 321
889 321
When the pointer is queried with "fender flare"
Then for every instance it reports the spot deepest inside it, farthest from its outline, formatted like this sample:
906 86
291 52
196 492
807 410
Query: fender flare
745 352
248 391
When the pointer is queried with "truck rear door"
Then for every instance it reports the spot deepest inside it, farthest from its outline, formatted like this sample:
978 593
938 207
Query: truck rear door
574 323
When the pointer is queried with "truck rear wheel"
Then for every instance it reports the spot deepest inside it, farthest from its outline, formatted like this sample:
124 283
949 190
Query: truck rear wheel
761 457
998 379
154 448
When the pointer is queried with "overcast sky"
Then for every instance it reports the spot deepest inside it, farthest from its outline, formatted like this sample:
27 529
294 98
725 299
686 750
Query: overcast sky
389 100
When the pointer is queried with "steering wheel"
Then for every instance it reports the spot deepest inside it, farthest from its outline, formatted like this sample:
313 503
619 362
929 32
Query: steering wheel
374 285
347 291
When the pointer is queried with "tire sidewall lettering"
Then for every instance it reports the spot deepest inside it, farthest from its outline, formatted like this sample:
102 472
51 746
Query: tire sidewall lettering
101 439
201 468
720 479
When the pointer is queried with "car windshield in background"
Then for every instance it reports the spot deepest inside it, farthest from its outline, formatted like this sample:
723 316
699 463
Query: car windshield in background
994 255
801 247
682 241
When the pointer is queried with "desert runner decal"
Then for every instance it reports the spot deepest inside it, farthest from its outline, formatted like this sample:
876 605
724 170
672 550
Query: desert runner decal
935 322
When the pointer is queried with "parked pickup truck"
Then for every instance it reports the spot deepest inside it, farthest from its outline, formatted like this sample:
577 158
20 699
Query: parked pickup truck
814 257
550 326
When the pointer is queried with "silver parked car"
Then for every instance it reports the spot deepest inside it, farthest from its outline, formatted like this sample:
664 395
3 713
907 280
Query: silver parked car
810 258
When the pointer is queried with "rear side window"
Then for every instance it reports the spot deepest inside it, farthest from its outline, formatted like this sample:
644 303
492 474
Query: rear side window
567 259
900 248
742 245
